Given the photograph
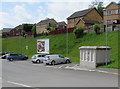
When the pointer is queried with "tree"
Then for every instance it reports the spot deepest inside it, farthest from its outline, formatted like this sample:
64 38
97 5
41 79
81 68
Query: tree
27 27
23 33
34 31
79 32
96 27
98 5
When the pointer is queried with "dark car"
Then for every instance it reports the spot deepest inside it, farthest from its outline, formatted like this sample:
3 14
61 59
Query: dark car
15 56
2 55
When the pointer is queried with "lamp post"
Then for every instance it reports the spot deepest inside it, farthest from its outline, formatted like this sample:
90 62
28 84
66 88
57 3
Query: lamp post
66 41
106 37
26 44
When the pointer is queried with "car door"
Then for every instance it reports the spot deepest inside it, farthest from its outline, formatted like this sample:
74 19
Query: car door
40 57
15 56
62 59
19 57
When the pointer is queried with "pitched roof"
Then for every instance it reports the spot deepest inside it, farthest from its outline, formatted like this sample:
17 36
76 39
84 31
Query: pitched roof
113 3
46 21
19 27
61 23
80 13
6 30
88 21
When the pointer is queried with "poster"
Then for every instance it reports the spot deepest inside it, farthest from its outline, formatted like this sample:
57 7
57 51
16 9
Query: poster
43 46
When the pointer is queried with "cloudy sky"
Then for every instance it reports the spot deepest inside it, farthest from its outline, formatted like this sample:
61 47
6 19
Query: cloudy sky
16 12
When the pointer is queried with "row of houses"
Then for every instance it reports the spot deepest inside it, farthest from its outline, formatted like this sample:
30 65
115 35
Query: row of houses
85 18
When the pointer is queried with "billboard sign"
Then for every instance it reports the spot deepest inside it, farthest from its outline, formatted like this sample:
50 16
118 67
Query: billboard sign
43 46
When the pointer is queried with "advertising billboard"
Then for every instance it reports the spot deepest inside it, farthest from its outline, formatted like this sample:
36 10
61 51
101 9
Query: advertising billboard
43 46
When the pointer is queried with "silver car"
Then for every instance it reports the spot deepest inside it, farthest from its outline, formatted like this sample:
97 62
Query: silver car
38 58
55 59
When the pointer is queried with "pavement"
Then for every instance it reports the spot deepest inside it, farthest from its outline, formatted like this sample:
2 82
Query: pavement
27 74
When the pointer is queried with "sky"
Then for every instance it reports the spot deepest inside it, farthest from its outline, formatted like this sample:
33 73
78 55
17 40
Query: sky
16 12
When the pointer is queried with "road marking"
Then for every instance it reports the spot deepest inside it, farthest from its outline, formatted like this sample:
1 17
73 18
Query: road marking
18 84
83 69
60 66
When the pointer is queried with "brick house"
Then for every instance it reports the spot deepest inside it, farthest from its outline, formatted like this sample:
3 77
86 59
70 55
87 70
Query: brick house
84 18
43 25
6 32
112 16
17 31
61 25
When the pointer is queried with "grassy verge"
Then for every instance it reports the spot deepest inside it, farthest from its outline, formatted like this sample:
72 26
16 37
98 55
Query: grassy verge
58 45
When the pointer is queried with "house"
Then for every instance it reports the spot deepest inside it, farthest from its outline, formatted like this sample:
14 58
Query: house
61 25
18 30
84 18
44 25
112 16
6 32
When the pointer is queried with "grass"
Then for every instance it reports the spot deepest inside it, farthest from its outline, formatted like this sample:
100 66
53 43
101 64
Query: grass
58 45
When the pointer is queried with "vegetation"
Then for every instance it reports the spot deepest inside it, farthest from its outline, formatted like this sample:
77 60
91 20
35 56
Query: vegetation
98 5
96 27
27 27
34 31
58 45
79 32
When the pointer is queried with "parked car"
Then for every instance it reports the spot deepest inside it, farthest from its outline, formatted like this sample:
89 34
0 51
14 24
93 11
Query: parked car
15 56
55 59
38 58
2 55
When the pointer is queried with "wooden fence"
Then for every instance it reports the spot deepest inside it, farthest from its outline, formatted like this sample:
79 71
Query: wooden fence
63 31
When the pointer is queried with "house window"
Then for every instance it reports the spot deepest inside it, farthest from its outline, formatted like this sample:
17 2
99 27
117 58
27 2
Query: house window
75 19
108 12
70 20
117 11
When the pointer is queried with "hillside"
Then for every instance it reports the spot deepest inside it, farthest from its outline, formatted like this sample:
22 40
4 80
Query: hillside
58 45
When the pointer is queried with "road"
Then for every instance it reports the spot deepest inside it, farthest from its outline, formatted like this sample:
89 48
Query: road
27 74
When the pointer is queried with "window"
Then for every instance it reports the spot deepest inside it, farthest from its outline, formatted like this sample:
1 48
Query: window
43 55
117 11
70 21
61 56
108 12
39 55
75 19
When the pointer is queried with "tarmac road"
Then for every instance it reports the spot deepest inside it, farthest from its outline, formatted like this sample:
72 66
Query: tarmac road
27 74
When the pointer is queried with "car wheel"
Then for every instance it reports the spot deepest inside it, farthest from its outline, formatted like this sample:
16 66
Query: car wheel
53 63
38 61
67 61
10 59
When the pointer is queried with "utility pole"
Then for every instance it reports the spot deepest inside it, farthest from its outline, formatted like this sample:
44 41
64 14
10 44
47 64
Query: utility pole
106 37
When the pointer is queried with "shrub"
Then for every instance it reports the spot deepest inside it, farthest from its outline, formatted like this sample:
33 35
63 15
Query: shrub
79 32
96 27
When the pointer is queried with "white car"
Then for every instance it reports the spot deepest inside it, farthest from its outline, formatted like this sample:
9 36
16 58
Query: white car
38 58
55 59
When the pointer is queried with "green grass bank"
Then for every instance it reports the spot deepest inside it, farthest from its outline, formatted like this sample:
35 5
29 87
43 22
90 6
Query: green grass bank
58 45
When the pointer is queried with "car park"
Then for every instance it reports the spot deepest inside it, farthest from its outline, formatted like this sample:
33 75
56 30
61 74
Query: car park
56 59
38 58
15 56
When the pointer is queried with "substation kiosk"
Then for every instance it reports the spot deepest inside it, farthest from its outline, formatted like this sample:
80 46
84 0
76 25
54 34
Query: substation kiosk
92 56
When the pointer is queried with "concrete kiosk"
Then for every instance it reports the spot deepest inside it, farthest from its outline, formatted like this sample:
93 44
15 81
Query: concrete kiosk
91 56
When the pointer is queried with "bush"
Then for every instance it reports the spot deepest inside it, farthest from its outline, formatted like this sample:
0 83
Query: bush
79 32
96 27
